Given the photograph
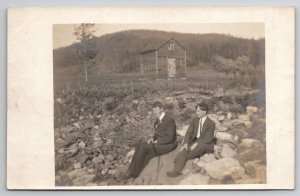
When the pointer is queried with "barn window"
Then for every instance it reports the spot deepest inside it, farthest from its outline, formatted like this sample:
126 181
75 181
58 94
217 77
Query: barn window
171 46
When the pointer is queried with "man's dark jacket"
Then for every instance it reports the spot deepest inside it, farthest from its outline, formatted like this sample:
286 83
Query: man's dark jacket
165 135
207 137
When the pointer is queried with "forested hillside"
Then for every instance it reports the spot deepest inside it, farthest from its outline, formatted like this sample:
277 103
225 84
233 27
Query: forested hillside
119 52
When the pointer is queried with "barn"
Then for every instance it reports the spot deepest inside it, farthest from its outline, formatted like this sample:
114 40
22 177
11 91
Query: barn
164 60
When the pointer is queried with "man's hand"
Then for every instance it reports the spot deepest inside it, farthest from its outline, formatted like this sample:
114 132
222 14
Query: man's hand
184 147
194 146
150 141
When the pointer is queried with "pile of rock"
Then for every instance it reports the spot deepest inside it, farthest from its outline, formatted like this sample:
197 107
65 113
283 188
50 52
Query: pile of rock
237 157
85 155
96 138
99 143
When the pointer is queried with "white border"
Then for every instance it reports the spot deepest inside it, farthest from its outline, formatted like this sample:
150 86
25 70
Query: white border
30 140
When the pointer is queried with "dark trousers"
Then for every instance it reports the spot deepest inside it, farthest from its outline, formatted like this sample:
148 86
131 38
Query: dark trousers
143 154
185 155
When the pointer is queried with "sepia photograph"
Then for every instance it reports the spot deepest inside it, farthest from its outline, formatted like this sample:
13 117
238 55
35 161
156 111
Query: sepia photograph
159 104
151 98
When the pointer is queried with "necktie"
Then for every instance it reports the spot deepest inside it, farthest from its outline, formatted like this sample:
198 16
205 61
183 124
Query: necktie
200 128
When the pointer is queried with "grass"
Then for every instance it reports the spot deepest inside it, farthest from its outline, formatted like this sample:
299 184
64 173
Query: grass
134 84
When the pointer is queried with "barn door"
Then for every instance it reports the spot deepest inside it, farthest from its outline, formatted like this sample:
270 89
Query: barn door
171 67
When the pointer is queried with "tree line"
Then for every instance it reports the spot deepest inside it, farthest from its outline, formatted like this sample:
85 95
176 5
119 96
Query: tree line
119 52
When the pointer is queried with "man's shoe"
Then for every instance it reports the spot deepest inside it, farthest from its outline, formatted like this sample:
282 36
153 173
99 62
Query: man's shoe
172 174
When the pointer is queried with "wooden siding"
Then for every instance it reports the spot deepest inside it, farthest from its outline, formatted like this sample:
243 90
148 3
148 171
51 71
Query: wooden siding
156 62
148 63
164 50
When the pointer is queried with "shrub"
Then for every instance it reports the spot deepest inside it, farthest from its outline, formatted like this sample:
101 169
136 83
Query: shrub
240 69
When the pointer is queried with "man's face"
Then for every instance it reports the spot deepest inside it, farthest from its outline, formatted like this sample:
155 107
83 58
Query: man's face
200 113
157 111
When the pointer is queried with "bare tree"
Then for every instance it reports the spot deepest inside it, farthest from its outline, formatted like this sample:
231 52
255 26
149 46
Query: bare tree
87 46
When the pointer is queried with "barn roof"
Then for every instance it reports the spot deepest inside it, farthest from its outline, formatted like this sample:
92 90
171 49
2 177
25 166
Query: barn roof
155 45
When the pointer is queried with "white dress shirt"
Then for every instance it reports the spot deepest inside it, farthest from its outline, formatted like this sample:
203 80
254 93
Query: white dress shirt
201 123
161 116
160 119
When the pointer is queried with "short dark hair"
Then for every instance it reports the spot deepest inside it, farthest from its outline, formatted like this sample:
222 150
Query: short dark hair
157 104
203 106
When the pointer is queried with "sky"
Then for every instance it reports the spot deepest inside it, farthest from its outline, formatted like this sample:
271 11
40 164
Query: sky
63 33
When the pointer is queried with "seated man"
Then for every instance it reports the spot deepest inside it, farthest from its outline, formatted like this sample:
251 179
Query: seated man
199 139
163 142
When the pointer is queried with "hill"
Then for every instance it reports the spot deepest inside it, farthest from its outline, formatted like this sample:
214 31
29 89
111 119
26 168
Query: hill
119 52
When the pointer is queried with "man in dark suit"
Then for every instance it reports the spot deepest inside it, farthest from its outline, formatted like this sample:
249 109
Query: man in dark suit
199 139
163 141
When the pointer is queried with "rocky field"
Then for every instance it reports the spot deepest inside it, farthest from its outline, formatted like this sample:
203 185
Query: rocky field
95 137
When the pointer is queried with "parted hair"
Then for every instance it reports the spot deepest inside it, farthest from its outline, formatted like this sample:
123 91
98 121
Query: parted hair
157 104
203 106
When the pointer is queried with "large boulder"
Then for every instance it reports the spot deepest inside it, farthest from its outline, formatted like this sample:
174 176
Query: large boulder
227 123
98 159
208 158
251 149
84 180
199 164
77 173
224 136
66 129
77 165
63 180
104 171
227 151
238 122
112 171
222 128
221 118
244 117
230 115
248 124
235 173
249 143
251 110
242 120
81 144
241 133
84 158
195 179
219 169
255 169
77 125
109 157
97 144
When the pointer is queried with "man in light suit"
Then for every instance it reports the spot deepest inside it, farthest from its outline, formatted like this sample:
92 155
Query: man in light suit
163 142
199 139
